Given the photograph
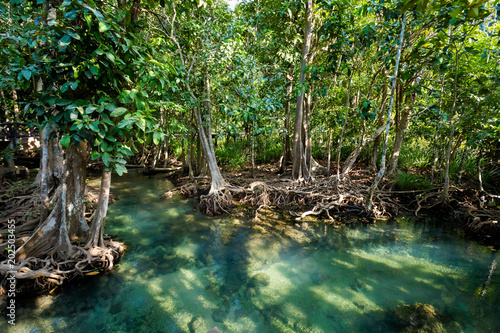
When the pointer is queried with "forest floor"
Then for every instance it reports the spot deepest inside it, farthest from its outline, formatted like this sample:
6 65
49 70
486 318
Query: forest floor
326 199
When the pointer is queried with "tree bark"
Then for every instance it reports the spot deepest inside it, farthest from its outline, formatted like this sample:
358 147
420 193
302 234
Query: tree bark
218 181
435 149
404 120
464 153
51 236
378 139
16 106
76 160
351 159
4 104
452 131
298 149
380 175
97 227
287 153
343 126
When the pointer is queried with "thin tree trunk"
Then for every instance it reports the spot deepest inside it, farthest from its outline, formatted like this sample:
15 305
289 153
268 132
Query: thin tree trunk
299 112
253 148
4 103
218 181
97 227
452 132
381 172
378 139
16 106
435 149
44 170
480 169
462 165
343 127
307 138
329 152
287 154
351 159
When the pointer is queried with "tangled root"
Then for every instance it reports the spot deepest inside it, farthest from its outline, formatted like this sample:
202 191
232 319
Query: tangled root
216 202
43 274
20 201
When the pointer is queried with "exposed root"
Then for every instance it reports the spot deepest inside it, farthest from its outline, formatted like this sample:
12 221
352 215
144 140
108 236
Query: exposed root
20 201
217 201
328 197
43 274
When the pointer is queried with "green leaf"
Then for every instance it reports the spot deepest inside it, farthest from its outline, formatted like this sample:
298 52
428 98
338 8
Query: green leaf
71 15
90 109
65 141
103 27
118 112
120 169
125 123
106 159
64 42
73 34
26 73
126 151
110 57
455 12
94 126
157 137
104 146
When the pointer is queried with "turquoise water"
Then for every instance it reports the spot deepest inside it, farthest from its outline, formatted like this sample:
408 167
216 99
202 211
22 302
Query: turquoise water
184 272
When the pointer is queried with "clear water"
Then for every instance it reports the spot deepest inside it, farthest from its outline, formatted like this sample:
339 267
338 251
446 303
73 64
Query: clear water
184 272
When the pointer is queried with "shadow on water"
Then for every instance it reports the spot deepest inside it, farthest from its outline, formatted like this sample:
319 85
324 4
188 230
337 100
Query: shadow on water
184 272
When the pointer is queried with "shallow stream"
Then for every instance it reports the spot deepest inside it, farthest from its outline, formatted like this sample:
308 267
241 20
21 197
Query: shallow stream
184 272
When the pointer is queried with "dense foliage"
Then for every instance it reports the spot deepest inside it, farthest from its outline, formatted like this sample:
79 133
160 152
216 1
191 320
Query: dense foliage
129 76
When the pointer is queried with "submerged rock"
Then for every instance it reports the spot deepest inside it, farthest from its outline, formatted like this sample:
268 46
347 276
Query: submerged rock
319 278
219 315
418 318
197 324
259 280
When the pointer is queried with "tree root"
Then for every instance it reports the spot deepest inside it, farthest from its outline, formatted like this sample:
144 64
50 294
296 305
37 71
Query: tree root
217 202
20 202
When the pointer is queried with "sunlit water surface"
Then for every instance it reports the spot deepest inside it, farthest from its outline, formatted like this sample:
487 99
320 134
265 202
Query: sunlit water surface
184 272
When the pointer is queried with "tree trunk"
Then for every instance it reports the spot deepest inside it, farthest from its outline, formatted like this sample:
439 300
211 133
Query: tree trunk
344 126
369 201
97 227
16 106
44 172
287 154
464 153
51 237
452 131
378 139
218 181
4 104
351 159
76 160
404 120
253 148
298 149
308 172
435 148
329 153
